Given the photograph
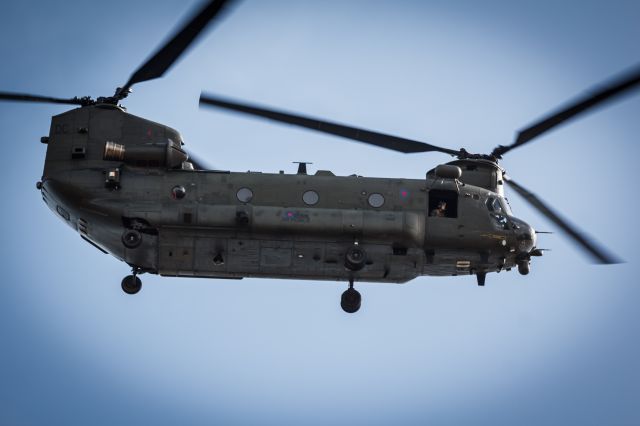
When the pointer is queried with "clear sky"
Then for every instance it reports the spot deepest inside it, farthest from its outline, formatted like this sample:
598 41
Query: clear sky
559 346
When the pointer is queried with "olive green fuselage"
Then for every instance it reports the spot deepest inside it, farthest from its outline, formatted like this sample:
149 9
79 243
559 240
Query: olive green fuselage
234 225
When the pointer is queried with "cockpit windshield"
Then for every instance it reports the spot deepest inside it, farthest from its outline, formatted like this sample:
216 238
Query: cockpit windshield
506 206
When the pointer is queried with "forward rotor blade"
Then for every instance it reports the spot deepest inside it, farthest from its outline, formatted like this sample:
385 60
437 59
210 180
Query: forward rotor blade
598 96
373 138
22 97
597 253
164 57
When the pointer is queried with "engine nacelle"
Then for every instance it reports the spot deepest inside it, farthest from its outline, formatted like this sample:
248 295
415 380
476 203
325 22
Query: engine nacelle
146 155
477 172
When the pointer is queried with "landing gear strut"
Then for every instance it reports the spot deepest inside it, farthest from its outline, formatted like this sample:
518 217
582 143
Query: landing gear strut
131 284
351 299
481 276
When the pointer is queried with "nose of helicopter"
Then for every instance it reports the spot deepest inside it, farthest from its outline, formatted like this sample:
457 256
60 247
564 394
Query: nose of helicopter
525 235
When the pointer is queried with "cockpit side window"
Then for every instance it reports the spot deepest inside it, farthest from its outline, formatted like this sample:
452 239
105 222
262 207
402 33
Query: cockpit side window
494 206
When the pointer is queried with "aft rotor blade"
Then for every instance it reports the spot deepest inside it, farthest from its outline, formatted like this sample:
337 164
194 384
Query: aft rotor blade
373 138
165 56
597 252
22 97
603 93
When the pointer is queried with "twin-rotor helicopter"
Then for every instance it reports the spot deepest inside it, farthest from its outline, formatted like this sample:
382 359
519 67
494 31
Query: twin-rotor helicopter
129 188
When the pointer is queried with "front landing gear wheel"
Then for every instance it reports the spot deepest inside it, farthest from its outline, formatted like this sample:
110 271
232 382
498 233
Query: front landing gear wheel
351 299
131 284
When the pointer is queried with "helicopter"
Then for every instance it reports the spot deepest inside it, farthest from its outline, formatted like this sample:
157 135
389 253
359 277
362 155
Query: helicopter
129 188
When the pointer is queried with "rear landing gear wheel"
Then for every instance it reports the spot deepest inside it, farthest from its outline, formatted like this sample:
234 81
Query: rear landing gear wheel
131 284
351 299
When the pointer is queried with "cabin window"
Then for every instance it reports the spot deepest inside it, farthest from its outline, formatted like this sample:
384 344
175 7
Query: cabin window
244 195
310 198
178 192
376 200
443 203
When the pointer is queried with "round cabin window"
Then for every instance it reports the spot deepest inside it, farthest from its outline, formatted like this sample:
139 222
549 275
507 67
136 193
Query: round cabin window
310 198
178 192
376 200
244 195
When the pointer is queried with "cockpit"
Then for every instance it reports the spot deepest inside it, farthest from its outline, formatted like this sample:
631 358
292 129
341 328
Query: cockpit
499 210
499 205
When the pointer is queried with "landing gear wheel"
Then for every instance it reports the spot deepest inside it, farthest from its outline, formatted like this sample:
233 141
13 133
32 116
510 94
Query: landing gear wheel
355 258
351 299
131 238
131 284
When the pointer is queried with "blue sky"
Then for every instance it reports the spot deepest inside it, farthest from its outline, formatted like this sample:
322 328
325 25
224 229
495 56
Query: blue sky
559 346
